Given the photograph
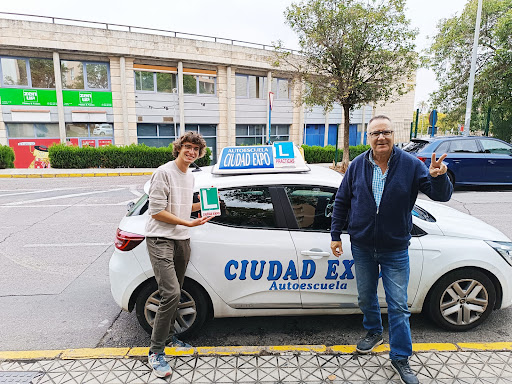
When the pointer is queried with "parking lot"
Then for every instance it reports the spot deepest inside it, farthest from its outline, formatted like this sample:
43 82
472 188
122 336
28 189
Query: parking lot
56 239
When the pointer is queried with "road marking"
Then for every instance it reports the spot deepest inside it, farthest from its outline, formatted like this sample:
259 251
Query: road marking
133 189
66 245
36 191
63 197
66 205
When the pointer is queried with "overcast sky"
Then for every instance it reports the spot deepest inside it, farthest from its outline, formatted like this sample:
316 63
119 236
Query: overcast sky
260 21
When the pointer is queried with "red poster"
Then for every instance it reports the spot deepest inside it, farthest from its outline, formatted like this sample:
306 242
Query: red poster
102 143
73 142
31 153
88 143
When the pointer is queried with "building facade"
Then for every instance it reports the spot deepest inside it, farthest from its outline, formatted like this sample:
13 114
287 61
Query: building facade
98 86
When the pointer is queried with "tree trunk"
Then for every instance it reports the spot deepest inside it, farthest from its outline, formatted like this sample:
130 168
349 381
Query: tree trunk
346 133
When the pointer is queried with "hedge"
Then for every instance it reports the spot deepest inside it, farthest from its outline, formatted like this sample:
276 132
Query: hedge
111 156
6 157
316 154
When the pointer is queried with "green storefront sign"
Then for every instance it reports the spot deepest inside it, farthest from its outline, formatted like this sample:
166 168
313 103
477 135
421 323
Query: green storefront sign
48 97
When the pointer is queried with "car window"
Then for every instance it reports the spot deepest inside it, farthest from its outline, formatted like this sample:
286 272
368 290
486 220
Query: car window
139 207
249 207
493 146
312 206
443 148
468 146
414 146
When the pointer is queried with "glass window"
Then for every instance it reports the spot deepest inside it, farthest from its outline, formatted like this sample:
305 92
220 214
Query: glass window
206 85
241 85
103 129
283 92
468 146
20 130
146 130
14 71
97 75
280 133
189 84
166 130
246 207
144 81
155 142
72 74
443 148
250 134
165 82
241 130
273 87
255 87
208 130
77 130
249 141
42 73
312 206
46 130
493 146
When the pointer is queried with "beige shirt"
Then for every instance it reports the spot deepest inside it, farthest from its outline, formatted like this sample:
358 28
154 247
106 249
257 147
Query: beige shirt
171 190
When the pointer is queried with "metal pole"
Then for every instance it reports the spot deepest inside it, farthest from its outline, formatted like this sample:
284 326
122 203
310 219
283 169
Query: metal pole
469 102
416 125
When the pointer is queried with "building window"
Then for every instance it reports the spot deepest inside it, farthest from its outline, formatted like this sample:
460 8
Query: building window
156 135
89 130
280 132
95 77
31 130
209 133
248 86
250 134
30 73
161 82
280 88
198 84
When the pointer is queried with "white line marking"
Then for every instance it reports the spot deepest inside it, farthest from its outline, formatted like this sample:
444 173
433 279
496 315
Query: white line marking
62 197
133 189
65 205
66 245
37 191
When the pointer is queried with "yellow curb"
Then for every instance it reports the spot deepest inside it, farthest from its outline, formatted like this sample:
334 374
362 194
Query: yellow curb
125 174
225 351
62 175
94 353
138 352
485 346
5 176
48 175
100 175
29 355
87 174
19 176
298 348
343 348
75 175
381 348
113 174
34 176
441 347
179 351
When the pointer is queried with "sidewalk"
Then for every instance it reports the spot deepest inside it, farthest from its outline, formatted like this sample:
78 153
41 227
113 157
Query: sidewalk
433 363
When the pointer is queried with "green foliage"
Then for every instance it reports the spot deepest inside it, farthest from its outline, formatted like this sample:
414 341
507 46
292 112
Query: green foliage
316 154
450 58
353 52
6 157
111 156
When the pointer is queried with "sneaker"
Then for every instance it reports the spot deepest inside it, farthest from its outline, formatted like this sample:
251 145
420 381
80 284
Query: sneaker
159 364
370 341
405 372
177 343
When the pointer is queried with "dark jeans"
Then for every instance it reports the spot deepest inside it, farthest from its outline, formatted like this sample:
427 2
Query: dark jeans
394 267
169 259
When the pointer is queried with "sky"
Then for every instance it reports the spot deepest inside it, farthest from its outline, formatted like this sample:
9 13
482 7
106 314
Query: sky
260 21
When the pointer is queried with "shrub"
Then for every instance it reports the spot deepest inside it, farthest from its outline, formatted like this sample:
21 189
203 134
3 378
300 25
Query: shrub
111 156
316 154
6 157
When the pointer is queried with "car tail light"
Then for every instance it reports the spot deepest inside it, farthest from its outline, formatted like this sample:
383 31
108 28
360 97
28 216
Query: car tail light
422 158
126 241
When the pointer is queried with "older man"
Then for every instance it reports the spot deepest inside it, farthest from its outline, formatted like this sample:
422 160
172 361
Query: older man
375 199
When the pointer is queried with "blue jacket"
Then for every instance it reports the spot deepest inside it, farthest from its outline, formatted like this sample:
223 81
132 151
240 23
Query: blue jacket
389 228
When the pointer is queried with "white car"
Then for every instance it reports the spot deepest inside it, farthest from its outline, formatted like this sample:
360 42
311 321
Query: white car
269 254
103 130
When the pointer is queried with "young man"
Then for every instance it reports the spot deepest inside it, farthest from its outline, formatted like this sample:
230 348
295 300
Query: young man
376 198
168 240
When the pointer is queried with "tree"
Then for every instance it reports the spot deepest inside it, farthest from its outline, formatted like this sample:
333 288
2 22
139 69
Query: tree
450 58
353 52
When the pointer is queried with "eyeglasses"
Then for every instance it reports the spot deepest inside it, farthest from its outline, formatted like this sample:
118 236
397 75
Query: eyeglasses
378 133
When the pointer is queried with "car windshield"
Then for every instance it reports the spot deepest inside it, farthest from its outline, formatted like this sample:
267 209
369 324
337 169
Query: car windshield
420 213
415 146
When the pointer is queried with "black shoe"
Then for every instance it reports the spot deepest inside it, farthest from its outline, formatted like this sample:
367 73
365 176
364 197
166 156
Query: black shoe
405 372
370 341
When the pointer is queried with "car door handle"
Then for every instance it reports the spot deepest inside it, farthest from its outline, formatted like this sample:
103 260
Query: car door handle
456 161
492 161
315 253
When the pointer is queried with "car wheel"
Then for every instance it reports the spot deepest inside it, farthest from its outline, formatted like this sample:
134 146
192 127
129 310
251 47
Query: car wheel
102 133
192 308
461 300
451 177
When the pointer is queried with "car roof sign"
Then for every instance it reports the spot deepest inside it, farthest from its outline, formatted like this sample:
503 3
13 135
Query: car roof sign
277 158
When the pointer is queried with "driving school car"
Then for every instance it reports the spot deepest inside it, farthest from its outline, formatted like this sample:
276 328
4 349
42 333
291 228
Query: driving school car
268 252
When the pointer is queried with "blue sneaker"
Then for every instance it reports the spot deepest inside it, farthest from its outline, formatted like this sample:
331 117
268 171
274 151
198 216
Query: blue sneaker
160 366
177 343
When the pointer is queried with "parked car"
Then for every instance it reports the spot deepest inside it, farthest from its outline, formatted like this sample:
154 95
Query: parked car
103 130
471 160
268 253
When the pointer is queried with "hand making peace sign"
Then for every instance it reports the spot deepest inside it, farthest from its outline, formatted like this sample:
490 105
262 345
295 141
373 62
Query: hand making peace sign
437 167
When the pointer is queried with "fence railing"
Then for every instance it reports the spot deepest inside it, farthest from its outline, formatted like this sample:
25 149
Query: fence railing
131 28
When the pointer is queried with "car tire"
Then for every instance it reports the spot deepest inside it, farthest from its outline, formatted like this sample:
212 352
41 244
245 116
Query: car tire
192 309
461 300
451 177
102 133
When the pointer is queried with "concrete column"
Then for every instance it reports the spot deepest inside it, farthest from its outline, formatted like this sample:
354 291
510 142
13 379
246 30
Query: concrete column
124 105
230 127
60 99
3 130
363 119
326 128
180 98
269 87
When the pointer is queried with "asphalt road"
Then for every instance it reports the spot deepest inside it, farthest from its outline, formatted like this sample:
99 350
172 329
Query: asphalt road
56 239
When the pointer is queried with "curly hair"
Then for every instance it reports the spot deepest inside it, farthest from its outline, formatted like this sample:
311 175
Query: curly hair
189 137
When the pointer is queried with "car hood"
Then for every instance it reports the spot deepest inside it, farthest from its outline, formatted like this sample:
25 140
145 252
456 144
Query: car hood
457 224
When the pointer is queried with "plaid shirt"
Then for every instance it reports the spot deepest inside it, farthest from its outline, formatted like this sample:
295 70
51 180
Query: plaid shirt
378 180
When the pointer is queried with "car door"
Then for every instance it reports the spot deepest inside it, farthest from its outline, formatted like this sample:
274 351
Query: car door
244 253
499 161
327 281
467 161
